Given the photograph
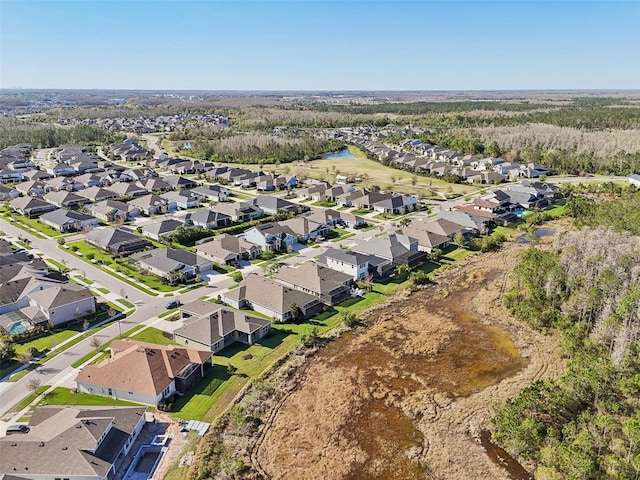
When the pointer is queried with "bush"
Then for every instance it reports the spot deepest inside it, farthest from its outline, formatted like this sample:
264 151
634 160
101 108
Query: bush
236 277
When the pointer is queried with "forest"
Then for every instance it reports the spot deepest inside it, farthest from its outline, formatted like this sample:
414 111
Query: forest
49 136
586 290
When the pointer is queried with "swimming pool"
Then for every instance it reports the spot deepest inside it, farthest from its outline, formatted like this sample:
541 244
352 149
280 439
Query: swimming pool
17 328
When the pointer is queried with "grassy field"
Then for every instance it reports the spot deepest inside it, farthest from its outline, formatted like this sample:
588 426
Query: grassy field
379 174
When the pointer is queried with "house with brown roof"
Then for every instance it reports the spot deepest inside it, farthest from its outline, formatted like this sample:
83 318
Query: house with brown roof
144 372
213 327
88 443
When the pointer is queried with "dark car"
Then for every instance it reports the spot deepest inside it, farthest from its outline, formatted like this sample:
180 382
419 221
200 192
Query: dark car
17 429
172 304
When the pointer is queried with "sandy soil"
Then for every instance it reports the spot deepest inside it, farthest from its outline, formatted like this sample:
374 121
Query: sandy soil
408 396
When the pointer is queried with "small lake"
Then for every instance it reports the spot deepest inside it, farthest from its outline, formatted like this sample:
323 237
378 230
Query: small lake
344 153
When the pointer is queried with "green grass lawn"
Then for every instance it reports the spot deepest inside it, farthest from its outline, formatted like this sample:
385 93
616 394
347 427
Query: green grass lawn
126 303
127 272
196 403
26 401
104 346
85 280
35 224
361 211
64 396
103 290
152 335
324 204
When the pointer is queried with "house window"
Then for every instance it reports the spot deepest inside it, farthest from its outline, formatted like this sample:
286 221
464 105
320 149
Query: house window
110 392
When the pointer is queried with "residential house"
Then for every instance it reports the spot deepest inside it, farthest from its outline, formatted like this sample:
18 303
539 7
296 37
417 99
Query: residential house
447 228
180 183
7 193
116 241
356 265
150 204
32 188
65 199
181 199
60 170
330 286
395 249
427 241
306 229
227 249
144 372
273 299
208 219
160 228
368 200
216 193
63 303
173 264
124 189
154 185
31 207
398 204
213 327
533 170
272 236
88 443
239 212
62 183
69 220
274 205
97 194
113 210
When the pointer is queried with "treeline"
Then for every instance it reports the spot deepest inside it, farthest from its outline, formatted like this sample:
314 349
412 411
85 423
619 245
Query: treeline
263 148
586 424
46 136
608 205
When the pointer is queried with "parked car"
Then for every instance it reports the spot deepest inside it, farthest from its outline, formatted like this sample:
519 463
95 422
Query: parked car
17 429
172 304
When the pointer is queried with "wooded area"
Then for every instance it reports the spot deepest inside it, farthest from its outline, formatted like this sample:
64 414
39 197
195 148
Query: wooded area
587 290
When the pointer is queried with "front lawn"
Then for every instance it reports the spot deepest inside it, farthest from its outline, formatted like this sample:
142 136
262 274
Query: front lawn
132 275
152 335
64 396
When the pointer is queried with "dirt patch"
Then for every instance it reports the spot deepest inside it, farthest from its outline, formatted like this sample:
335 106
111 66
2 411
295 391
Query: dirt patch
409 396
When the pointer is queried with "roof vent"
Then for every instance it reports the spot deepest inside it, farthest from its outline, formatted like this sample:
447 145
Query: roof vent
65 448
42 444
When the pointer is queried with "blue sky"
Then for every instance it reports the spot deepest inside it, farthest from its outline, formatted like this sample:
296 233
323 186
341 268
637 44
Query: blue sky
323 45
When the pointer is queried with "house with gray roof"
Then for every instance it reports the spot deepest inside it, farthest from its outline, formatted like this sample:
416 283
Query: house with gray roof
63 303
97 194
88 443
214 327
427 241
208 219
272 236
239 211
113 210
31 207
32 188
65 199
397 204
125 189
273 205
273 299
181 199
215 193
174 264
150 204
116 241
227 249
162 227
69 220
330 286
394 248
355 264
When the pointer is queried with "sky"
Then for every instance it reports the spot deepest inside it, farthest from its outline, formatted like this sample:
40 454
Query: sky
319 45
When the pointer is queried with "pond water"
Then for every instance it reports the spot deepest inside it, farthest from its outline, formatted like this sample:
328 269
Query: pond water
344 153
